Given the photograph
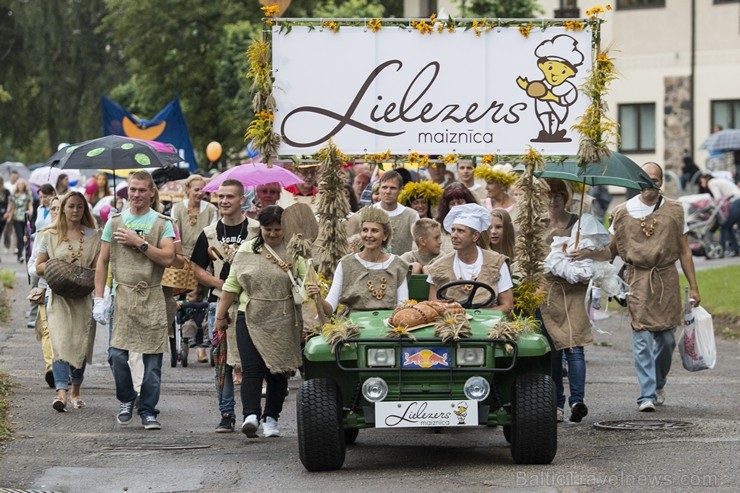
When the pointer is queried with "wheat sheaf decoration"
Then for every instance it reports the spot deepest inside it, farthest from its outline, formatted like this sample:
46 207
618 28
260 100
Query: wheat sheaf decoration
400 332
338 331
452 327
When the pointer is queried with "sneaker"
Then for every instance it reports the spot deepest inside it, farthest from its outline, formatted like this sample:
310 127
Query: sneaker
578 411
49 377
646 407
125 413
250 425
561 415
270 428
659 397
227 424
150 422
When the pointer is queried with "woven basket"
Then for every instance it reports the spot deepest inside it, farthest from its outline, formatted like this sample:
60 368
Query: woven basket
180 280
69 280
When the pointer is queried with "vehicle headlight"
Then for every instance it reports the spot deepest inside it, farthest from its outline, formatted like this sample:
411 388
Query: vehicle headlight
471 356
477 388
381 357
375 389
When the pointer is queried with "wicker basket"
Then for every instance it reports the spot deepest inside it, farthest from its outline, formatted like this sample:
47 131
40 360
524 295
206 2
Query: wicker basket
180 280
69 279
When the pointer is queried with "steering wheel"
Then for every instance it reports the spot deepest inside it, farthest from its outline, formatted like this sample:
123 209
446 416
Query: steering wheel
468 303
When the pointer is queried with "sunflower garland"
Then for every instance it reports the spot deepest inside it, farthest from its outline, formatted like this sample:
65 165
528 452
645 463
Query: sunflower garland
375 25
499 175
260 130
427 190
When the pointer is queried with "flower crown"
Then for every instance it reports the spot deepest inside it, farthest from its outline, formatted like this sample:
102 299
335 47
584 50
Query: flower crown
427 190
497 173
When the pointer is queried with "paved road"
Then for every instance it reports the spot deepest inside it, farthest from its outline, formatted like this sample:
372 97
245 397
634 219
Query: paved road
86 451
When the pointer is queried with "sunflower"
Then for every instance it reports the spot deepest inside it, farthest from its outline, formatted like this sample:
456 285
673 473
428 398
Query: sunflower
497 174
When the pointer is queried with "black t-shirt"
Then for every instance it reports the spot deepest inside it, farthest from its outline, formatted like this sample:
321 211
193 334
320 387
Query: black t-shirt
4 199
229 235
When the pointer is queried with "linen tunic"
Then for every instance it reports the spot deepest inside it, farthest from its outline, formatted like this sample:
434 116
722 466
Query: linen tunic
189 232
140 320
442 271
655 303
356 278
564 310
70 323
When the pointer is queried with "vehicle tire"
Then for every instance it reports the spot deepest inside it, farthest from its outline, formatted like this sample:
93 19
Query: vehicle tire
320 433
534 422
507 433
350 435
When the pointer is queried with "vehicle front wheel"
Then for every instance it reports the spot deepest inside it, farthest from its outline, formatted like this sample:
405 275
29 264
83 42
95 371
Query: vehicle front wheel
534 422
321 438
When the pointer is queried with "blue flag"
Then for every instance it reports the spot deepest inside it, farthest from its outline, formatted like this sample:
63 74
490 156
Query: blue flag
169 126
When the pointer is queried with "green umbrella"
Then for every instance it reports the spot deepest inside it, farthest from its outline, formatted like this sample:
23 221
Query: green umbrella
616 169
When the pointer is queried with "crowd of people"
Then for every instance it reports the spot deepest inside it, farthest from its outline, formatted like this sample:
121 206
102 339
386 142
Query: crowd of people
447 228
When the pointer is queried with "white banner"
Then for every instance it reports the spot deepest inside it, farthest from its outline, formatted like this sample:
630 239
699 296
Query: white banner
419 414
438 93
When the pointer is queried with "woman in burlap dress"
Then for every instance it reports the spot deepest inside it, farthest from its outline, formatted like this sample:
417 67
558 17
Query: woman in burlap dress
73 237
565 321
193 213
371 279
268 323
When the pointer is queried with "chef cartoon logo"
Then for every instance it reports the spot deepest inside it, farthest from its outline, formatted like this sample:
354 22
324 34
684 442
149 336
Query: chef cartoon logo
558 59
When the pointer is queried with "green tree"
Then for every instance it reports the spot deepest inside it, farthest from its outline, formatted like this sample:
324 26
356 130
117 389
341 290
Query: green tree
55 65
511 9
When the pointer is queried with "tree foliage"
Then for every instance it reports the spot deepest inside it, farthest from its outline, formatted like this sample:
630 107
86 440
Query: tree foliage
511 9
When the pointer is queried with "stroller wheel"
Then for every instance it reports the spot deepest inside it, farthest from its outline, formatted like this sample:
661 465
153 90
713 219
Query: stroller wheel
713 250
184 358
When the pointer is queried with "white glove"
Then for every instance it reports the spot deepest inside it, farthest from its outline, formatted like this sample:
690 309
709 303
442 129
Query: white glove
99 311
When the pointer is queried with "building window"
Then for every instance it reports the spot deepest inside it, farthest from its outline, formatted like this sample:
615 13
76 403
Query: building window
637 127
640 4
726 1
726 113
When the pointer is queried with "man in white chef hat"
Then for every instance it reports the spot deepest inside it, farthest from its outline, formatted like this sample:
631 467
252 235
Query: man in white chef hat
472 260
558 59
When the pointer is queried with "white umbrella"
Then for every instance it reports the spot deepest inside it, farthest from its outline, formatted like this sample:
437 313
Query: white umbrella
9 166
48 174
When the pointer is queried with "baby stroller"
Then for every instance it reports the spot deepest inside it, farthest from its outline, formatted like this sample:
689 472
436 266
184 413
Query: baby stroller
702 217
190 324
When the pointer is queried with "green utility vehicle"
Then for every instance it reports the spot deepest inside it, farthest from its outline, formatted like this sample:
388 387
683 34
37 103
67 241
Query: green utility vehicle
380 382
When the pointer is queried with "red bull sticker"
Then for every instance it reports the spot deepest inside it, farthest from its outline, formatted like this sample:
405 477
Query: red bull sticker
428 357
419 414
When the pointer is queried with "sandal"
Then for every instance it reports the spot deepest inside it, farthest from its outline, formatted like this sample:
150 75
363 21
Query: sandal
59 405
78 404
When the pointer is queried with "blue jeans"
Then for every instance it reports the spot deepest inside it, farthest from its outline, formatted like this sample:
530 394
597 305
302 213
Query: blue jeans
652 353
576 374
64 373
226 402
150 386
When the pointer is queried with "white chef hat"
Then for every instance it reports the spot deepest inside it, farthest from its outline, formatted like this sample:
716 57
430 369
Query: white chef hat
473 216
562 48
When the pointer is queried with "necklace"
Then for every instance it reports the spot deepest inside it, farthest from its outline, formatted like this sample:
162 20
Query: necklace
283 265
71 253
229 248
650 229
465 272
377 293
193 216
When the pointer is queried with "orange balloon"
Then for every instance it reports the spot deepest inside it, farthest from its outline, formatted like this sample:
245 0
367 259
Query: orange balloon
213 151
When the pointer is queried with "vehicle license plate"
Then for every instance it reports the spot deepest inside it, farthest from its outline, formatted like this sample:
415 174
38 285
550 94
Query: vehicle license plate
419 414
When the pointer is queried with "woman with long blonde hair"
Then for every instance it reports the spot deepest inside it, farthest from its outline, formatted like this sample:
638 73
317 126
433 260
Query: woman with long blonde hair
73 237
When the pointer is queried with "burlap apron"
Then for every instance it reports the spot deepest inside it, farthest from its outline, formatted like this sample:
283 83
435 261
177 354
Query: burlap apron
189 232
563 310
655 303
357 282
70 322
442 272
272 317
140 318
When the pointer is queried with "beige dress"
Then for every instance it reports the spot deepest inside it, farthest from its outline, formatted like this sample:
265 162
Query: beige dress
140 319
70 322
190 228
357 282
273 320
563 309
655 303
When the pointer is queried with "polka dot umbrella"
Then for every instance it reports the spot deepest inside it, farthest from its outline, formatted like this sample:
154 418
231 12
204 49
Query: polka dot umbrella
114 152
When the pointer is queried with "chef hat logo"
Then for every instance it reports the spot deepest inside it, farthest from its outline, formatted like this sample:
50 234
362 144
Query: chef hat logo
562 48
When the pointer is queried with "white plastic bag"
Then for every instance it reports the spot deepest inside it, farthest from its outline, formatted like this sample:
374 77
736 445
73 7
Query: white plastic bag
696 343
